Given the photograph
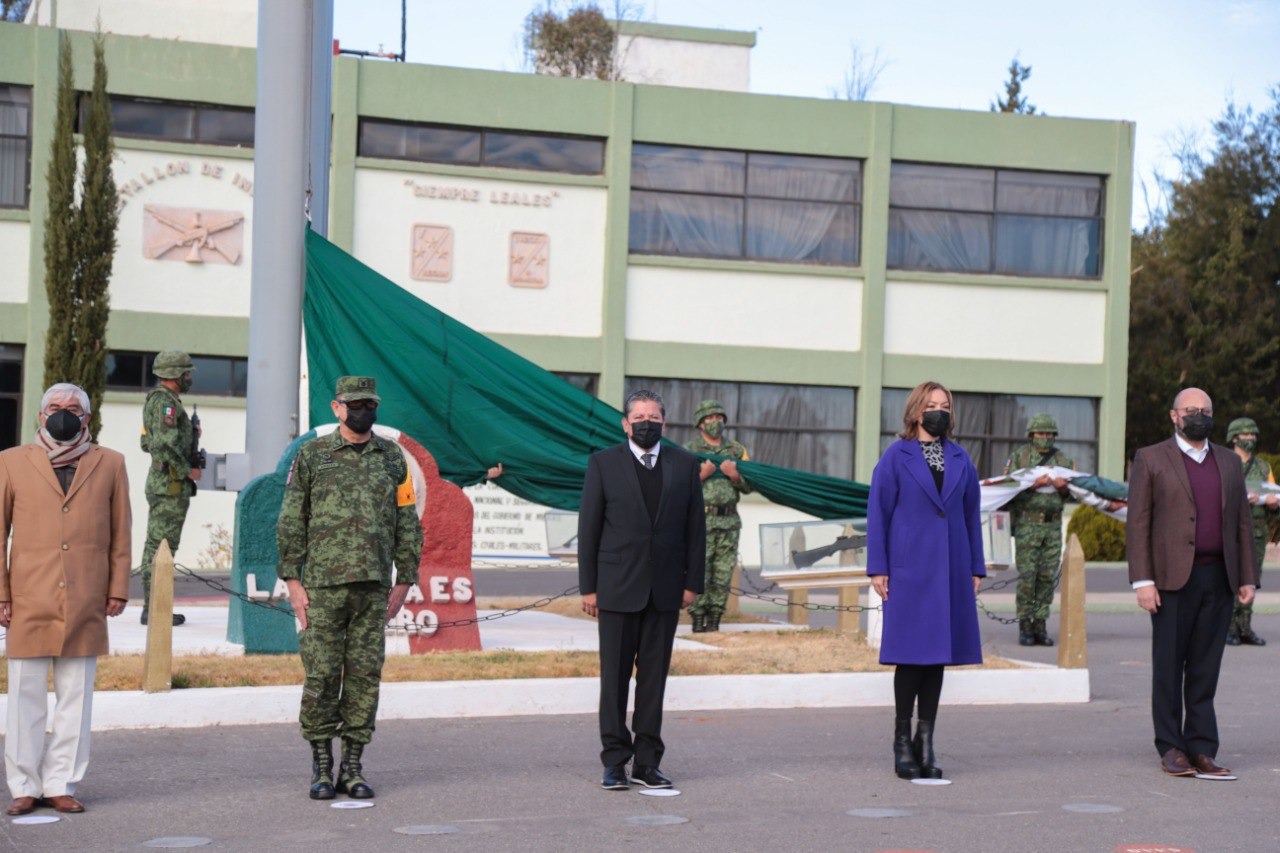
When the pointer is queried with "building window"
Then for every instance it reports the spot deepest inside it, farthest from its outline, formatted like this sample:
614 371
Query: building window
808 427
425 143
15 145
959 219
992 426
709 203
148 118
214 376
588 382
10 395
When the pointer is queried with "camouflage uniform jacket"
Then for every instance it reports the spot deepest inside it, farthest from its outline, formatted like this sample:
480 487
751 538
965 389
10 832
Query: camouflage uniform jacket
1027 456
1258 470
719 490
166 435
348 512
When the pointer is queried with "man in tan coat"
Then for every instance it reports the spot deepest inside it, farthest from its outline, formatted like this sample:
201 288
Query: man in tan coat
64 514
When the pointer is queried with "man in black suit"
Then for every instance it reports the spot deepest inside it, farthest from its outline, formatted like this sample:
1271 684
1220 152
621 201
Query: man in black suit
641 560
1190 543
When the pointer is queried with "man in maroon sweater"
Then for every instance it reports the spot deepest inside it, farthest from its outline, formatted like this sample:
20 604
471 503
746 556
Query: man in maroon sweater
1190 540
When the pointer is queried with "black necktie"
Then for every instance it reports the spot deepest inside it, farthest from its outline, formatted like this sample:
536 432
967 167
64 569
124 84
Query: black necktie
647 459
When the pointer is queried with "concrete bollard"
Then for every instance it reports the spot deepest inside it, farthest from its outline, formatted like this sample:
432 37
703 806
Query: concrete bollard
157 666
1072 645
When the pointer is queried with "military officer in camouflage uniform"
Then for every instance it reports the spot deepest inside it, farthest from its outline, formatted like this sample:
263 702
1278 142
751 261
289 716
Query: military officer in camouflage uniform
1037 528
720 496
167 436
349 511
1242 436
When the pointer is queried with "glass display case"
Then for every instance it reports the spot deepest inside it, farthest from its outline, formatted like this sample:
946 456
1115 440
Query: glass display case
562 534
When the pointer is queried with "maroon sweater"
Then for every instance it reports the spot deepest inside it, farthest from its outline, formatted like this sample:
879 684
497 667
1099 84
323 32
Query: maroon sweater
1206 490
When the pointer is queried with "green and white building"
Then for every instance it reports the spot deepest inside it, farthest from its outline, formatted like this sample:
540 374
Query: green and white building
806 261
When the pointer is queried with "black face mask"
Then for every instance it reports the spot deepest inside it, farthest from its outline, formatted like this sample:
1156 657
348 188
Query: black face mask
1197 427
360 421
935 422
62 425
646 433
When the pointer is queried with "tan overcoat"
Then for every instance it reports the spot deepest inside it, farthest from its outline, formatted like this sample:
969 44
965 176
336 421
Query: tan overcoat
67 554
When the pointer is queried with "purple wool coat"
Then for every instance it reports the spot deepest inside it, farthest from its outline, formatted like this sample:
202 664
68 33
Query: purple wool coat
930 546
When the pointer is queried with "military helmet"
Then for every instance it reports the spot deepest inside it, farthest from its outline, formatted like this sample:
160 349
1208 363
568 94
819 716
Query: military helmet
171 364
1240 426
708 407
1042 422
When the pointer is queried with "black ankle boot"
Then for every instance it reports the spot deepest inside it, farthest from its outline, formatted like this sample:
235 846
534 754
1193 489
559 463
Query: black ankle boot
713 621
1042 633
923 748
699 622
350 779
904 759
322 770
1025 637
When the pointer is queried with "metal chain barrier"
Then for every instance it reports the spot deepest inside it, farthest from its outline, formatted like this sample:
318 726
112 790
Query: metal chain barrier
1005 620
784 602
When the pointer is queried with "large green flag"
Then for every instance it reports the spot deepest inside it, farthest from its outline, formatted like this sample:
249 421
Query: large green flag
473 403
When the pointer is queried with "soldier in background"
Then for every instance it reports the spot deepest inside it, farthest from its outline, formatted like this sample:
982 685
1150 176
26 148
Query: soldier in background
167 436
720 496
1242 436
1037 528
349 511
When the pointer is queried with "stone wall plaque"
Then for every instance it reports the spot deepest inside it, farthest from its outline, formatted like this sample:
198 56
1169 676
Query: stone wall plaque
530 259
432 253
193 235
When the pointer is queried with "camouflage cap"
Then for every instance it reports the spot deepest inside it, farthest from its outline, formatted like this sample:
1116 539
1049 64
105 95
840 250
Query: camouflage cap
1042 422
705 408
356 388
1240 426
171 364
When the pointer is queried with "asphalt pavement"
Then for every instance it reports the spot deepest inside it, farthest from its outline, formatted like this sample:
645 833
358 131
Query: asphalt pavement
1029 777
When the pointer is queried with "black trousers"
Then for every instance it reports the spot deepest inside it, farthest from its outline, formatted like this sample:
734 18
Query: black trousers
642 641
1188 634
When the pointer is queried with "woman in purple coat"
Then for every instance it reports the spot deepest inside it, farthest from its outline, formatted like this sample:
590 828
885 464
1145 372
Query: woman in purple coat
924 556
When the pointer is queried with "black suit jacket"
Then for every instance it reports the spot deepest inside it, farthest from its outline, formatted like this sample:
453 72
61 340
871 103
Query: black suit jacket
1161 527
623 557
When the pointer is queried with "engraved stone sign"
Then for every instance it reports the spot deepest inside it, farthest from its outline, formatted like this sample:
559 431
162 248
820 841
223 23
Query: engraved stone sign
194 236
432 253
530 259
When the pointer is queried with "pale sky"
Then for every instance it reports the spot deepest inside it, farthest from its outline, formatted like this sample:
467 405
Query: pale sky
1168 65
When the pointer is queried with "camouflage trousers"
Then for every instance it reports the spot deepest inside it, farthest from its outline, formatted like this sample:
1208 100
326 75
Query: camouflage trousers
722 556
1039 554
1242 614
165 516
342 651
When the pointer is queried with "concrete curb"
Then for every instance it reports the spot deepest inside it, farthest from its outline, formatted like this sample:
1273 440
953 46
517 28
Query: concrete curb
231 706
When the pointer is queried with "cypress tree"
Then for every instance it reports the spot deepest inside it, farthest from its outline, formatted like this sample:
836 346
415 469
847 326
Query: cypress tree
97 242
59 228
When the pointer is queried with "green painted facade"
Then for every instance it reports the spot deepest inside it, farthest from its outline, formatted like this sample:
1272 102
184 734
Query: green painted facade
621 113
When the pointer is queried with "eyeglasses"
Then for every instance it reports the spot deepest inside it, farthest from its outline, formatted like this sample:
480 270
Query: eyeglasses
357 405
1192 411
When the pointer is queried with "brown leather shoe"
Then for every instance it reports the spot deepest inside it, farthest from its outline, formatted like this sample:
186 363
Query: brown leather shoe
1207 766
21 806
1175 763
65 803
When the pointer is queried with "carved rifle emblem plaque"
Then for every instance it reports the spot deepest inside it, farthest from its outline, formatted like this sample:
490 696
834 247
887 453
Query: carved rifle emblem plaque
194 236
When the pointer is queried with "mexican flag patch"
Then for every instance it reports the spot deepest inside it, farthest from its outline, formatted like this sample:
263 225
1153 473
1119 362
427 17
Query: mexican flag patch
170 416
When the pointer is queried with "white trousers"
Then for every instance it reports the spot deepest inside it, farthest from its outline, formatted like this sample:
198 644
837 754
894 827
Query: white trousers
33 771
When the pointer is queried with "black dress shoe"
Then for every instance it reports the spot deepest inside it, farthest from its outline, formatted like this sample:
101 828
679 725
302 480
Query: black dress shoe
615 778
178 618
650 777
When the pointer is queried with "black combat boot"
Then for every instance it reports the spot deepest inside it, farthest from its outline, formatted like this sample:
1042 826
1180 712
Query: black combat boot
1233 638
699 622
1025 637
350 779
904 759
713 621
322 769
923 748
1041 633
